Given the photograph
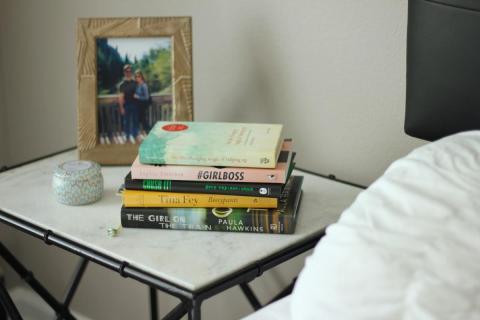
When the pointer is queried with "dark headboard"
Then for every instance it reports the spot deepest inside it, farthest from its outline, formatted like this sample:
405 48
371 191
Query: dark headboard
443 68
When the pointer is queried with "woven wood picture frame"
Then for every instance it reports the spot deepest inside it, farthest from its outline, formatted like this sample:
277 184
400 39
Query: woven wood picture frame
178 29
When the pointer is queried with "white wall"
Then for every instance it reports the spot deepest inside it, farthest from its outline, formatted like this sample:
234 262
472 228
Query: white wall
333 71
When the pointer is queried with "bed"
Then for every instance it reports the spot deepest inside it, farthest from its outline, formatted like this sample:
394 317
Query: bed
409 245
407 248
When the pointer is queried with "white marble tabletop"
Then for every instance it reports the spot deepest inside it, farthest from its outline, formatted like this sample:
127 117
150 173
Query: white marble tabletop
191 259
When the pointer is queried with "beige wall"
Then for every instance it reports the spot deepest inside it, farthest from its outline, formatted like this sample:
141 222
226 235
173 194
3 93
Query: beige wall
3 118
333 71
3 133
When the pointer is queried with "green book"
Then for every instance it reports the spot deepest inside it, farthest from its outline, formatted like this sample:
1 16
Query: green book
221 144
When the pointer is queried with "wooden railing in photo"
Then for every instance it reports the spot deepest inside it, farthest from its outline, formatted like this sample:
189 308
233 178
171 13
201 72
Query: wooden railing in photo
110 120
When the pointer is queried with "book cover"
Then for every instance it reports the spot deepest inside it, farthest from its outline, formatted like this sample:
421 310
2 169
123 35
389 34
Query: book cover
231 188
136 198
226 144
281 220
200 173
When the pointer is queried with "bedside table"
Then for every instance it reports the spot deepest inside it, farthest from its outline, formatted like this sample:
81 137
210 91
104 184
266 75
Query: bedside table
191 265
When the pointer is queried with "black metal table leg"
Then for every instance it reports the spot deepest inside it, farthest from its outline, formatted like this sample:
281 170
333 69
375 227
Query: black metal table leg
195 310
252 298
29 278
8 305
3 313
178 312
285 292
77 276
153 303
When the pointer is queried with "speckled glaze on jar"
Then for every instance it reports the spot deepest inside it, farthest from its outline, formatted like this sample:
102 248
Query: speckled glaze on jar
77 182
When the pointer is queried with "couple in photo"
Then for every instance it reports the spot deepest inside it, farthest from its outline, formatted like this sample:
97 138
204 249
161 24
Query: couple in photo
134 99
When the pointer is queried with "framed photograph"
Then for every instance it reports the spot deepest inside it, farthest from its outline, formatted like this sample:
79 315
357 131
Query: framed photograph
132 72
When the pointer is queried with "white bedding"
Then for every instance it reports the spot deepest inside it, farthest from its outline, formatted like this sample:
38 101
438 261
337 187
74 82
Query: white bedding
408 247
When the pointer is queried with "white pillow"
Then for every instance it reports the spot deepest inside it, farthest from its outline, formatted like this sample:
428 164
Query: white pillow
408 247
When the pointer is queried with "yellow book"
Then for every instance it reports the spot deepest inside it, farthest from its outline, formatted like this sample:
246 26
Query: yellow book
136 198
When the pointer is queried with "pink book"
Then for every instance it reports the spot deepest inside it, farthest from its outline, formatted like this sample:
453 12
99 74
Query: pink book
278 174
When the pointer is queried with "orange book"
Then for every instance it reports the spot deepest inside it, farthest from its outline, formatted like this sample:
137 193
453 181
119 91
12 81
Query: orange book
136 198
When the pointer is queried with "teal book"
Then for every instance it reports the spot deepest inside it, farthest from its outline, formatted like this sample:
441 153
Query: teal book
218 144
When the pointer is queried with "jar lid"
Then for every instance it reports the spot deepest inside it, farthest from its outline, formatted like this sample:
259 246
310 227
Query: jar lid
77 170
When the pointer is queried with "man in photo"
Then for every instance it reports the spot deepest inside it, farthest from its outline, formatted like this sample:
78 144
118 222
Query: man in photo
127 104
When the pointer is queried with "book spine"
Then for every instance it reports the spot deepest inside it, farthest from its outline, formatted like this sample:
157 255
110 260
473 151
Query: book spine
248 220
241 189
211 174
257 159
278 175
135 198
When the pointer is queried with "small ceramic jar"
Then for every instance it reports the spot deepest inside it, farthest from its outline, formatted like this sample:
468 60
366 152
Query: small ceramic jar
77 182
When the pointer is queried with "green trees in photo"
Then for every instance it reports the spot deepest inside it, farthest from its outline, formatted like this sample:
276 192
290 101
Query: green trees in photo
156 67
109 67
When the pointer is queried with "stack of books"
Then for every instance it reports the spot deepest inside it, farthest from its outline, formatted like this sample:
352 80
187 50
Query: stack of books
213 177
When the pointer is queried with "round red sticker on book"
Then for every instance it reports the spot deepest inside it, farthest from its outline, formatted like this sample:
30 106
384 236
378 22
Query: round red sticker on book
175 127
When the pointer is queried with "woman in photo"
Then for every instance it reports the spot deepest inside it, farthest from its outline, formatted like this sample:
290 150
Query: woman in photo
142 99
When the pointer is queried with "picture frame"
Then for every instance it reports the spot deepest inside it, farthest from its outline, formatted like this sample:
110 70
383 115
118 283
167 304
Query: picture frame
96 146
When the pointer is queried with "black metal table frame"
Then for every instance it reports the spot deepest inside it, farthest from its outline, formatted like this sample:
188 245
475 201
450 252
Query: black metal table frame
190 300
